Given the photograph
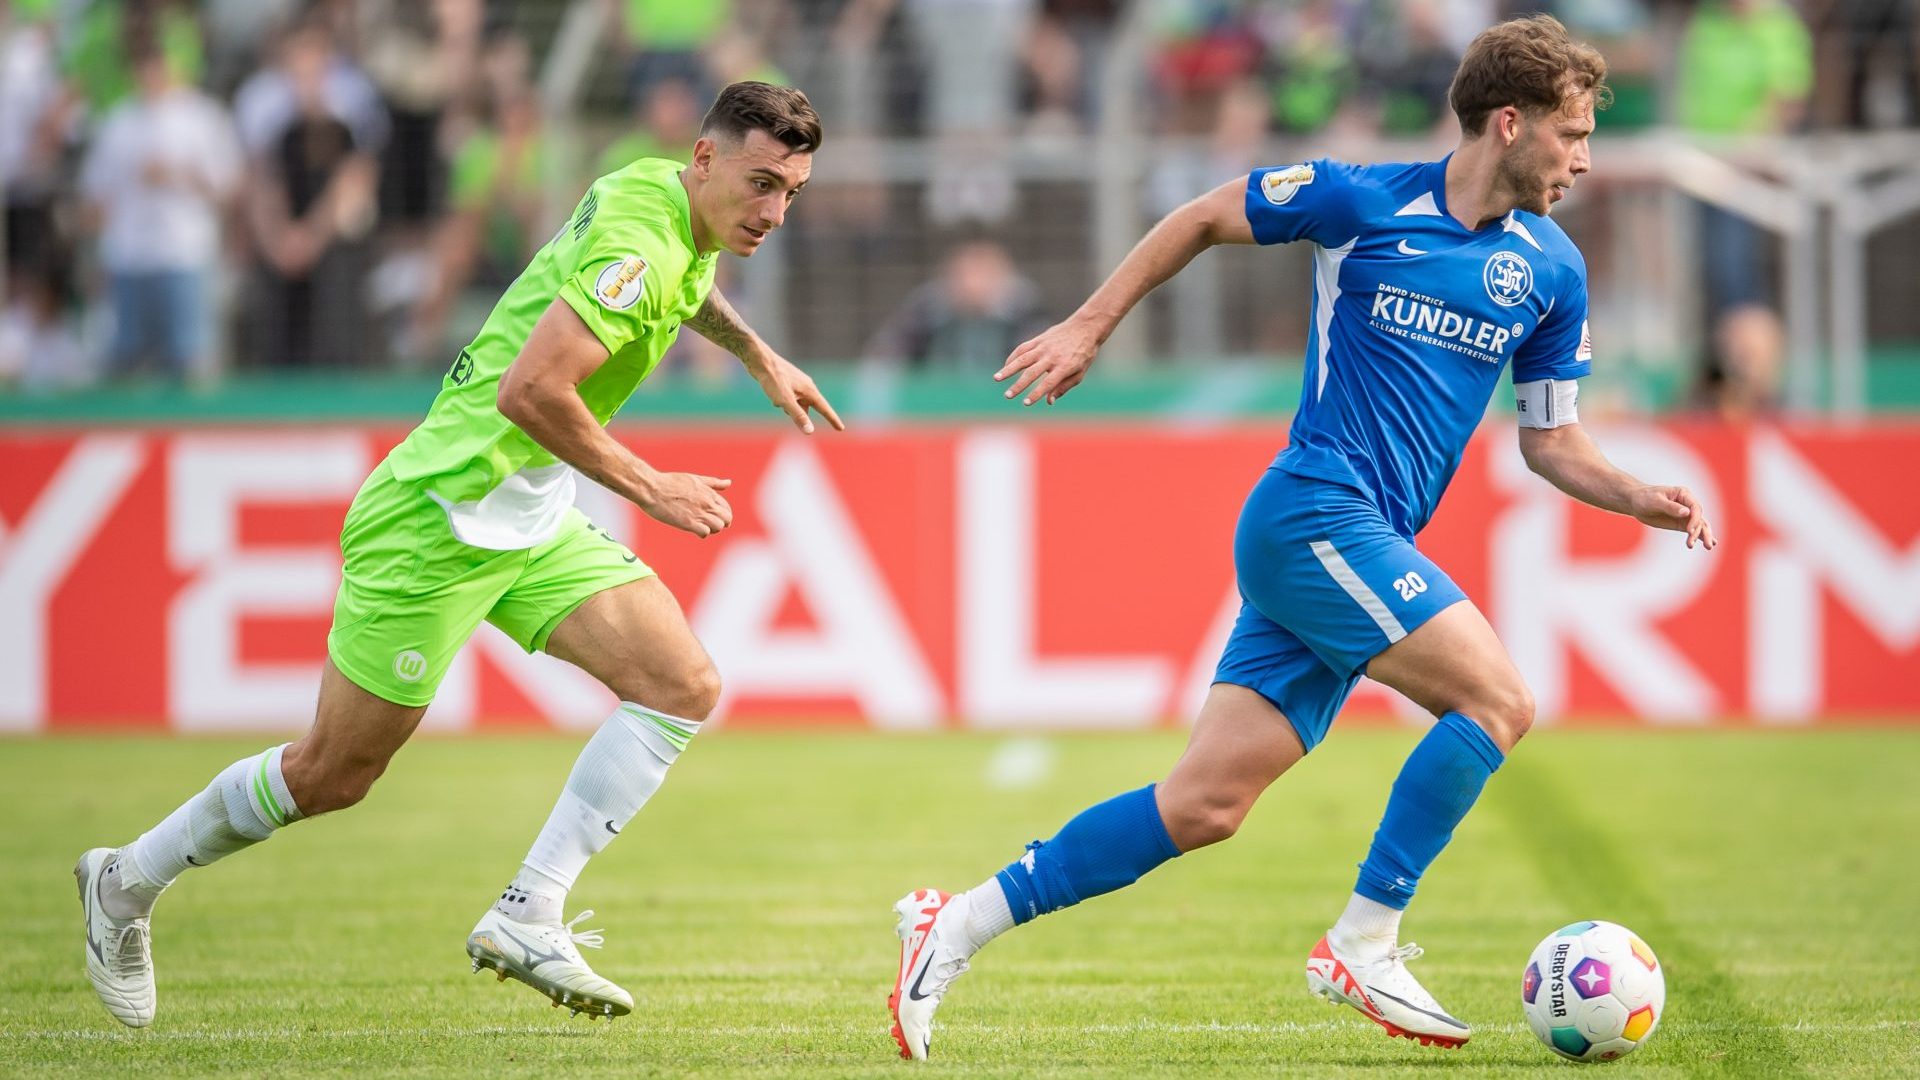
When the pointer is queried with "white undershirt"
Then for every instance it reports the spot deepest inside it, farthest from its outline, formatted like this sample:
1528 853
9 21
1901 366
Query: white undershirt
525 510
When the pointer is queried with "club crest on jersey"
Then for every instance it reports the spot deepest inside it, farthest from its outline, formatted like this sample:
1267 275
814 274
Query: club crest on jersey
1280 185
1509 279
619 287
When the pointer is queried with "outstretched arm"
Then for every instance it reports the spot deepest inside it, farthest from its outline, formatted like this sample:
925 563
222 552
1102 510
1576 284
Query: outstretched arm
789 388
1570 460
1057 360
719 323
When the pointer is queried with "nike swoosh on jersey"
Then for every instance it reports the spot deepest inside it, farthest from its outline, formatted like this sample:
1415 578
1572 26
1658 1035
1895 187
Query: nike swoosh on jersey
1409 249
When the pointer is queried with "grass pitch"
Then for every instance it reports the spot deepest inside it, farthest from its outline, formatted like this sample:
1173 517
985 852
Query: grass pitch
748 910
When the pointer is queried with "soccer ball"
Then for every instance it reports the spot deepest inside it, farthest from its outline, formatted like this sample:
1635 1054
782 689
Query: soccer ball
1593 991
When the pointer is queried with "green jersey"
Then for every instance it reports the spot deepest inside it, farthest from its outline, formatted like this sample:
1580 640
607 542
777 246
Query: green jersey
1736 66
626 264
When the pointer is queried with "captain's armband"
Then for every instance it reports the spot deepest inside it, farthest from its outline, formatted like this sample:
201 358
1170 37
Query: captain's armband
1547 403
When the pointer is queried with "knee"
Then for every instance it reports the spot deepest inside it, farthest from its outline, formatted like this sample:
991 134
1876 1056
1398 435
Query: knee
702 692
1506 713
1197 819
321 784
691 694
339 793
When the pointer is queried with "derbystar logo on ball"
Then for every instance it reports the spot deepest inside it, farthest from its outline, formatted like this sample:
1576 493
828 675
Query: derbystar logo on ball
1593 991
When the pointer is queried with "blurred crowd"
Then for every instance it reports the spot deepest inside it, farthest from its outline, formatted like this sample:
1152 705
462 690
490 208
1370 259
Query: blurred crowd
193 188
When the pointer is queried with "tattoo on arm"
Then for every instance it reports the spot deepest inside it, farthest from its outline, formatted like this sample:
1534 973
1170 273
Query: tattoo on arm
719 323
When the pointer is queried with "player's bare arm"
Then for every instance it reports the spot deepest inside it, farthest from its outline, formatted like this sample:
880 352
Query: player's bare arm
1569 459
791 390
1053 363
540 394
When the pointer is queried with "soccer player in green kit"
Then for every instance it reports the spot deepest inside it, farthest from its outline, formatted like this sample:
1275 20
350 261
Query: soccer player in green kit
472 518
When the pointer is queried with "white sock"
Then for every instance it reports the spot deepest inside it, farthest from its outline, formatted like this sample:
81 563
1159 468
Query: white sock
619 770
1367 927
531 897
243 806
987 914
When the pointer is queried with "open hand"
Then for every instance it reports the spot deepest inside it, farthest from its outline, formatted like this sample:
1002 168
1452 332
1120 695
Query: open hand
1050 364
792 391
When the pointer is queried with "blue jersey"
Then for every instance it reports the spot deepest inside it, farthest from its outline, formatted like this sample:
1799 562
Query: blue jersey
1414 316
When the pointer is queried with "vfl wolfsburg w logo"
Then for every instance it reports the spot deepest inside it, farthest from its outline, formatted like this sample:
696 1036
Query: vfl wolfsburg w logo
1509 279
409 666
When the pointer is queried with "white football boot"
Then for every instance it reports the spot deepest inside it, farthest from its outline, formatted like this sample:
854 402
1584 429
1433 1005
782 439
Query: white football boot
119 951
1385 992
930 959
545 956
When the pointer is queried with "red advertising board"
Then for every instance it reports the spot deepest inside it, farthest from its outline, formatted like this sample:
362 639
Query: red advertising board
990 577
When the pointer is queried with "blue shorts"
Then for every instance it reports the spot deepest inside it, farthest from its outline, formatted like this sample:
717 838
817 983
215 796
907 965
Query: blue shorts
1326 585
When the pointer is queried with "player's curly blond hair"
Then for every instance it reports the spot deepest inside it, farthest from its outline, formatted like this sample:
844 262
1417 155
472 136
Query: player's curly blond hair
1531 64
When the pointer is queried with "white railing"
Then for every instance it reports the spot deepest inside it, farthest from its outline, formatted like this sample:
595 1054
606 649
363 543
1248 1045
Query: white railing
1823 196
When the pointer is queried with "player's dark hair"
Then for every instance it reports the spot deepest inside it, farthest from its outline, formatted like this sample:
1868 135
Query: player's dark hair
780 111
1531 64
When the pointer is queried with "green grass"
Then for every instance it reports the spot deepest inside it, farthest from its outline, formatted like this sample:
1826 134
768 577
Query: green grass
748 911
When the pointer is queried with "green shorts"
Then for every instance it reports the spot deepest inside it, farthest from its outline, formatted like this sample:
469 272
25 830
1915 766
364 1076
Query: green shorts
411 594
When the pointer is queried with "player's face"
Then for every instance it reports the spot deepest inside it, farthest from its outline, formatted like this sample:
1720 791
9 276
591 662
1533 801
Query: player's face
1548 154
749 185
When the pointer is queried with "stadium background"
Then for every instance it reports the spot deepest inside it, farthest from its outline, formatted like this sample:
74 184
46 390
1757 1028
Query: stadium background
168 525
1751 230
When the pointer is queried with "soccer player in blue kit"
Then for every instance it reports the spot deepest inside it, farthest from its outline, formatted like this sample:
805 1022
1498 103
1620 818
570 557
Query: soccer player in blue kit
1430 278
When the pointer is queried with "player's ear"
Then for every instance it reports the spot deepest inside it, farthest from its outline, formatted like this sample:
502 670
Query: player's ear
704 150
1508 119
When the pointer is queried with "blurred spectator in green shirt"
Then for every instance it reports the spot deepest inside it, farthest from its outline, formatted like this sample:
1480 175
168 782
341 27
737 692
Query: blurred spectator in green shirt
1746 67
497 197
1310 67
669 39
665 124
98 59
1408 65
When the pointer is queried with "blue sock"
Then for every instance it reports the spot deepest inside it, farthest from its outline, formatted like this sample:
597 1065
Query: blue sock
1435 789
1105 847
